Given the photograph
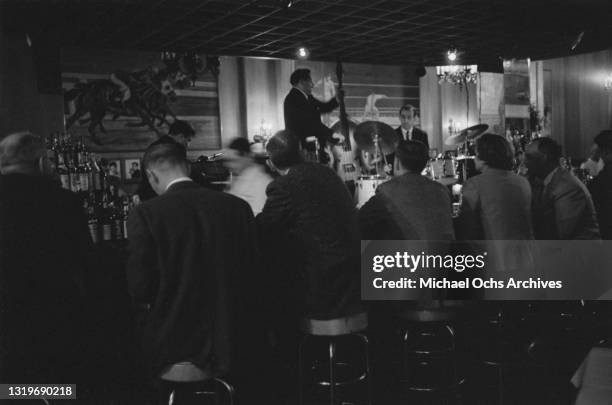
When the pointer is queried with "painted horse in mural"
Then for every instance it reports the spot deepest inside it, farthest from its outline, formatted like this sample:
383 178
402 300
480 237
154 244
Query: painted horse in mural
146 94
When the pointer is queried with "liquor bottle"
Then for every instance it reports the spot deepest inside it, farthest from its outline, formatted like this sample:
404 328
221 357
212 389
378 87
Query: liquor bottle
124 217
92 222
96 173
62 169
88 172
105 219
81 168
116 222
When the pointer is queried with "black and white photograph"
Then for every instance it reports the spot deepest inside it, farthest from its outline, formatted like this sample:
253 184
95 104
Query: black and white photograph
132 169
306 202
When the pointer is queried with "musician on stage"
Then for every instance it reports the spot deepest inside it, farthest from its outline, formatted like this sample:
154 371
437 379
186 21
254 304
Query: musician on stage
407 132
303 113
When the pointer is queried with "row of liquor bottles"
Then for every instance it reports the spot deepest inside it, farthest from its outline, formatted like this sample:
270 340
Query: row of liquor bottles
77 169
81 172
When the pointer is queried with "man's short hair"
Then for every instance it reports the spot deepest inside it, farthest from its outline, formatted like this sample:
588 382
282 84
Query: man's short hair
549 149
408 107
21 149
298 75
166 154
413 155
604 140
284 149
240 145
179 127
495 151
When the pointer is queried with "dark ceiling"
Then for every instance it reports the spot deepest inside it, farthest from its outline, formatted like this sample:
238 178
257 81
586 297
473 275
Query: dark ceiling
366 31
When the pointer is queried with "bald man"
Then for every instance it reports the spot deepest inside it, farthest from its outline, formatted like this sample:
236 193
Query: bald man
44 256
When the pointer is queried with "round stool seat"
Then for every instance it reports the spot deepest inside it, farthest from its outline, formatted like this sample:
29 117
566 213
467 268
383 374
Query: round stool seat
427 315
185 372
335 327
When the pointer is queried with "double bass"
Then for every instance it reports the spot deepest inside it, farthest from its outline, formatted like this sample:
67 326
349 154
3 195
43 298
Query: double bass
345 159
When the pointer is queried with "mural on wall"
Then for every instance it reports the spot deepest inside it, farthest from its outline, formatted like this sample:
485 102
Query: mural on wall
120 101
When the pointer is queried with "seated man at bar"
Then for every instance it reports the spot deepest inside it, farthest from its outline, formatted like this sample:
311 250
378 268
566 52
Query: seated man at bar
180 133
45 262
189 249
562 208
409 206
496 204
310 216
601 186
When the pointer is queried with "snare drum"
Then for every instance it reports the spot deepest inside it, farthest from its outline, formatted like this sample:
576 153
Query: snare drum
365 188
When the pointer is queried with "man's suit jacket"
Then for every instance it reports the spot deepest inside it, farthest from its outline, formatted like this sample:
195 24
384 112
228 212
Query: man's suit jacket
45 265
190 251
496 206
410 207
564 210
303 117
417 135
310 225
601 191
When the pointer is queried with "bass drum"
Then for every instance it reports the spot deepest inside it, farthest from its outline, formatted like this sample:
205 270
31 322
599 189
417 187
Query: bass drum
466 167
366 188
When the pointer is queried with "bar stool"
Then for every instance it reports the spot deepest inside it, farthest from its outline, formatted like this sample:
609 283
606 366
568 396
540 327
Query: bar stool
429 347
183 374
331 331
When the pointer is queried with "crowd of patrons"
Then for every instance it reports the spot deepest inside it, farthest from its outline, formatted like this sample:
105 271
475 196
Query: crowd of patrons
212 284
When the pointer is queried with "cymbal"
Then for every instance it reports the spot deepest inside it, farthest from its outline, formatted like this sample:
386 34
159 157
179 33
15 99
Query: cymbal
387 137
468 134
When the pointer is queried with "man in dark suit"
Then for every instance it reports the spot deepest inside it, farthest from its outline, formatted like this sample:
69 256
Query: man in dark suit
407 132
45 265
303 112
601 186
409 206
180 133
310 217
190 251
562 206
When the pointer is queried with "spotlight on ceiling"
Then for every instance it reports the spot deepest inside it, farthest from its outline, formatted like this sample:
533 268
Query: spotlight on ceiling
451 55
285 4
302 53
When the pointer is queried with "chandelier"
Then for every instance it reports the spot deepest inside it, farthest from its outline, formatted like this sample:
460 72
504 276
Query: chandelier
457 74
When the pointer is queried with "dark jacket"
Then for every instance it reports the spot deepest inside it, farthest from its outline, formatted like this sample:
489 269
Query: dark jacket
410 207
303 117
45 264
601 191
564 210
146 192
417 135
191 250
310 225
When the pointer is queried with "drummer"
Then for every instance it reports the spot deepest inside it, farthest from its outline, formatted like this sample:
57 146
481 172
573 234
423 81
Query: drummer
407 131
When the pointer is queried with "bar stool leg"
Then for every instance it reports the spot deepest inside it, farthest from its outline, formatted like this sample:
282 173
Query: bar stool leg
229 388
332 359
301 371
366 342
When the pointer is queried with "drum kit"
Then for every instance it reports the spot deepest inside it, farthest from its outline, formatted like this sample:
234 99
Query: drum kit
377 139
465 140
